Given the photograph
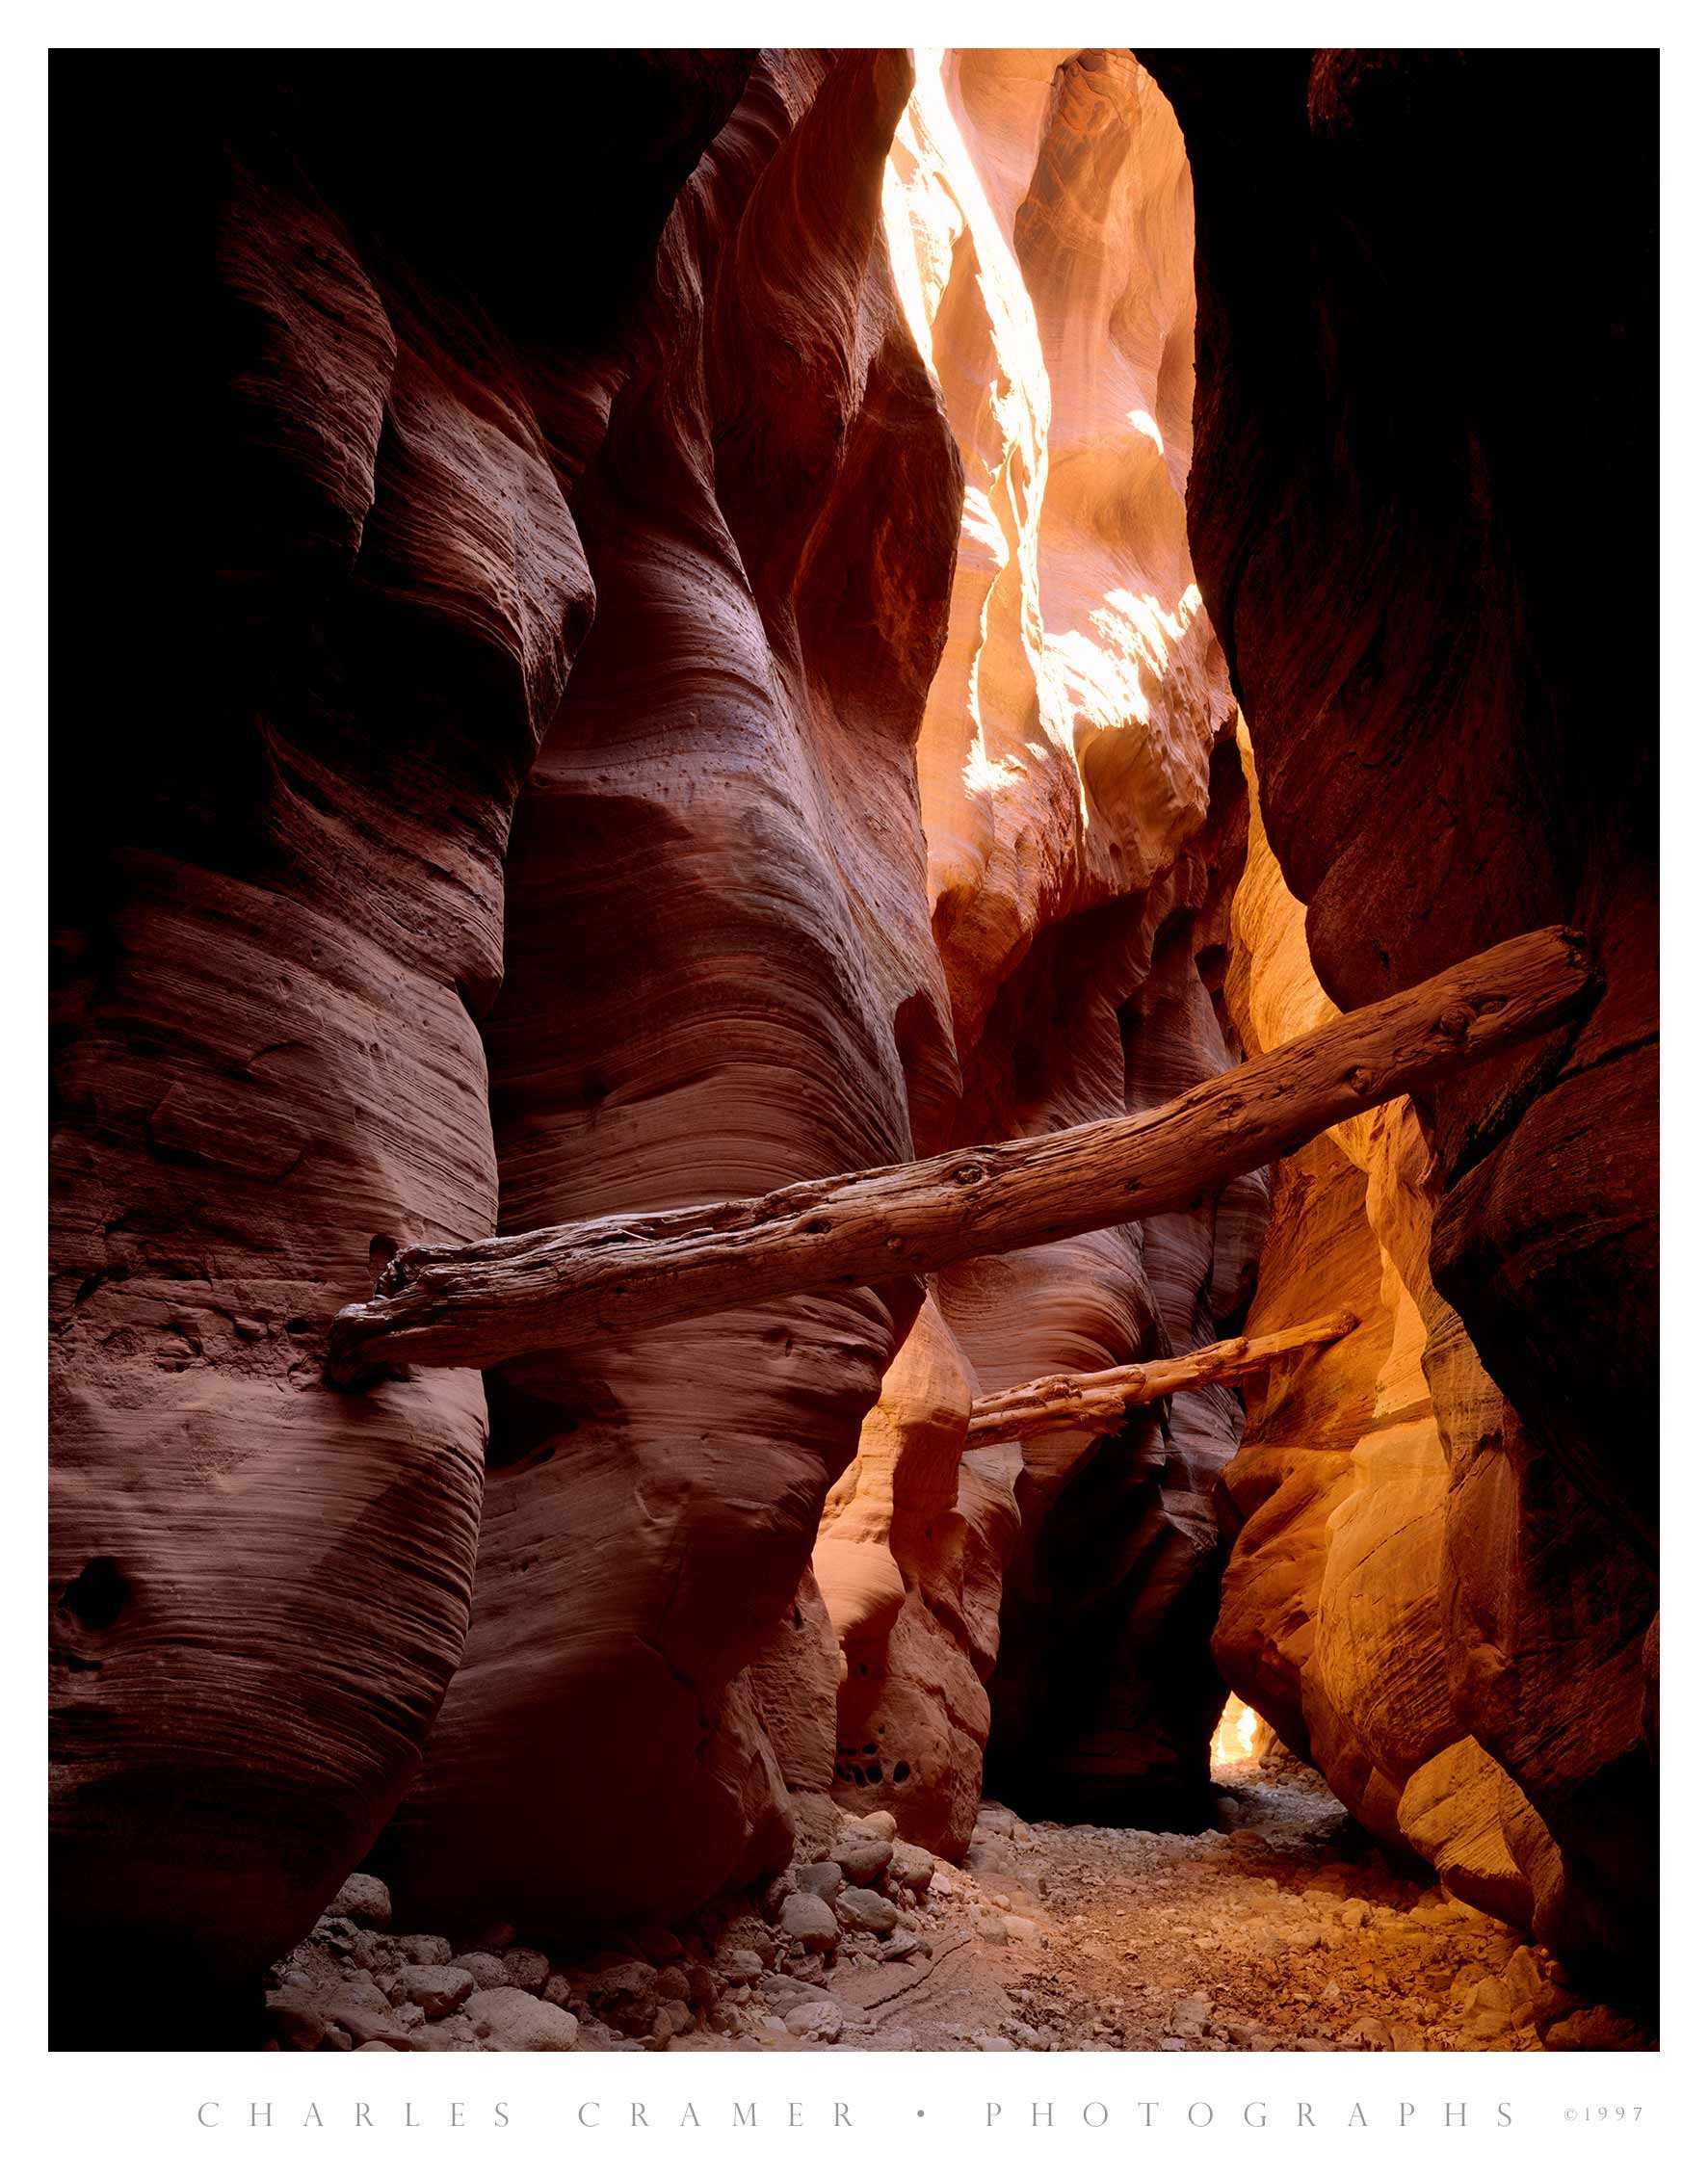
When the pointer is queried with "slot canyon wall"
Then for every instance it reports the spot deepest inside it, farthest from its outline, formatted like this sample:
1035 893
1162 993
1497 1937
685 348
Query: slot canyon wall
1391 479
354 590
1336 1606
728 700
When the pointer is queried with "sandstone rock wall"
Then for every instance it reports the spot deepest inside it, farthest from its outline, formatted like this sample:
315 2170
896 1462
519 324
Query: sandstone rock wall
1394 467
349 601
1334 1611
910 1559
352 591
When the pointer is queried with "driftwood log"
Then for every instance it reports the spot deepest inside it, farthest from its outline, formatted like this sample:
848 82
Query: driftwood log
476 1306
1098 1400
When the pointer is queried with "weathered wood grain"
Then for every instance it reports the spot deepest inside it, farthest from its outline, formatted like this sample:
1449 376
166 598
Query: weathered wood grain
576 1284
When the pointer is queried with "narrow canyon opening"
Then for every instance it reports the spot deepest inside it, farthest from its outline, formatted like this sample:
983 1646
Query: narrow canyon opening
1009 631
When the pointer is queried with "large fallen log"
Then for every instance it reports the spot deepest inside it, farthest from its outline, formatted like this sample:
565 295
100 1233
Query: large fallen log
1101 1399
578 1284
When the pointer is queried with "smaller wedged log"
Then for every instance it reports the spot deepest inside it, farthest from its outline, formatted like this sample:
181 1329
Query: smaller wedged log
578 1284
1095 1401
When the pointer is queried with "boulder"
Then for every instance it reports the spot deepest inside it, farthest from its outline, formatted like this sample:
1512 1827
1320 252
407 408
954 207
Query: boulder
363 1898
868 1911
815 2021
424 1950
626 1996
484 1969
808 1920
510 2018
292 2022
435 1988
527 1969
864 1859
911 1867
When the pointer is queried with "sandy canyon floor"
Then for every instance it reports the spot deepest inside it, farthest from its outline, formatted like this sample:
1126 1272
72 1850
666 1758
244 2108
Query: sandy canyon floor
1281 1928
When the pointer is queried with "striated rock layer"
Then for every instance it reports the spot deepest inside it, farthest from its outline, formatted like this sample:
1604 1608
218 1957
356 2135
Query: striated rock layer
1395 470
277 916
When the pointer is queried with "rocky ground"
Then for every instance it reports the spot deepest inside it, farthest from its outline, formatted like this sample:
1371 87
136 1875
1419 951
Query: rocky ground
1281 1928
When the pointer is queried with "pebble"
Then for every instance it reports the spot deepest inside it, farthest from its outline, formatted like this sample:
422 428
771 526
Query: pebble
363 2025
1595 2028
1191 2015
1408 1970
668 2021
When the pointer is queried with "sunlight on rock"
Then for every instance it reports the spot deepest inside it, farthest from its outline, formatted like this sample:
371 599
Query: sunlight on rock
1235 1745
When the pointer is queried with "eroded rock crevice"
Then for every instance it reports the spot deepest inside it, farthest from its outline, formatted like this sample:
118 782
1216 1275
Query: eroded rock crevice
1000 587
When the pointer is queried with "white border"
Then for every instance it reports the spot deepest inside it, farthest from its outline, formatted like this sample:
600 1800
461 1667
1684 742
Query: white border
71 2112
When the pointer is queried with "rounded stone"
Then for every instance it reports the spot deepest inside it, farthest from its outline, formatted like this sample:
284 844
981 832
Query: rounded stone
808 1920
363 1898
510 2018
866 1910
863 1859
